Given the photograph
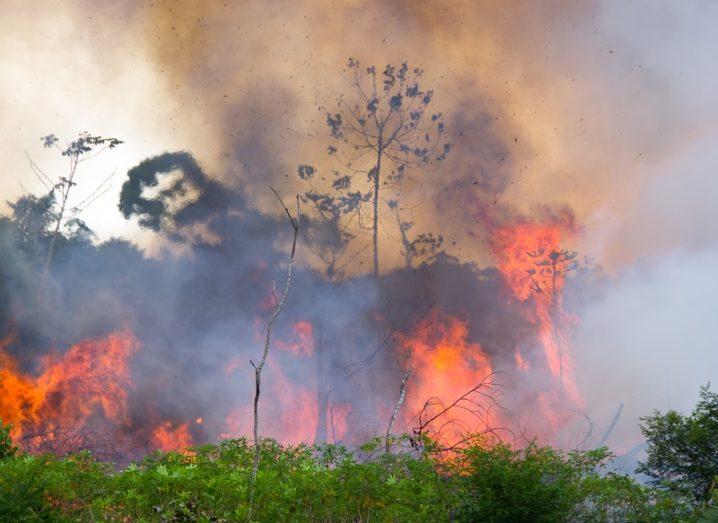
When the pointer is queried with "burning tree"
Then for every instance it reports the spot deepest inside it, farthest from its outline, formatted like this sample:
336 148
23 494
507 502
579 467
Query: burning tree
546 279
381 131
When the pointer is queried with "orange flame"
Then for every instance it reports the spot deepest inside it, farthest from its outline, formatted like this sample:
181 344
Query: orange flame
171 439
533 265
446 368
91 378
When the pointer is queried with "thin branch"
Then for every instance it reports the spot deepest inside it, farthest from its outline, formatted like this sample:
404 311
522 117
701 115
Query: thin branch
402 394
268 337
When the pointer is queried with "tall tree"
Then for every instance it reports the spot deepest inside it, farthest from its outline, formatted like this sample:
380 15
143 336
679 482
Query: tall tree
381 130
84 147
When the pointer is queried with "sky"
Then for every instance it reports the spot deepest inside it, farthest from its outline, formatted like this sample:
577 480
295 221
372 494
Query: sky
607 108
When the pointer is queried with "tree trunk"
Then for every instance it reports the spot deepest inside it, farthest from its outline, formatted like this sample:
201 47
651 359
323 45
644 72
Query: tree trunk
58 223
376 212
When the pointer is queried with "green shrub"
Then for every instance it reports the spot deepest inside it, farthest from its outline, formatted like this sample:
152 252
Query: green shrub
330 483
7 449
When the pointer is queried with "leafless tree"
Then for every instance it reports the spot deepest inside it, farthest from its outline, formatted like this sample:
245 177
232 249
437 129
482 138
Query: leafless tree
279 303
589 430
612 425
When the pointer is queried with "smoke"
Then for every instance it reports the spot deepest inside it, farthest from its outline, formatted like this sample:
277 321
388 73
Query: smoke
605 109
647 337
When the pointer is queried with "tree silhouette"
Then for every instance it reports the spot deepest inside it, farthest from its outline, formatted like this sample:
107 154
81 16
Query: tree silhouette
550 268
380 131
421 245
84 147
332 236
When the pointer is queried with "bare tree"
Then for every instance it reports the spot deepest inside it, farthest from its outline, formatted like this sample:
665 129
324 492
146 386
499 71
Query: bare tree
380 132
84 147
279 303
399 401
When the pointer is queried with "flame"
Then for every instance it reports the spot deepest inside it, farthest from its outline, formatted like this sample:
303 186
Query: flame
302 341
533 265
337 422
521 362
291 414
169 438
445 368
91 379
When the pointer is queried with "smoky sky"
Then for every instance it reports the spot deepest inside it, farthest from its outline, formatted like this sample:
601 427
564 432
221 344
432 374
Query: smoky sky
605 108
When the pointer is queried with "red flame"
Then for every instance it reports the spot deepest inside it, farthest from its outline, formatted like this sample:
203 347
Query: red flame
533 264
169 438
302 341
447 367
90 379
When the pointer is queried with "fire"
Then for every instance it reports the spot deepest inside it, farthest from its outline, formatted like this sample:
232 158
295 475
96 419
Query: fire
533 265
337 420
301 342
169 438
521 362
290 407
446 369
91 379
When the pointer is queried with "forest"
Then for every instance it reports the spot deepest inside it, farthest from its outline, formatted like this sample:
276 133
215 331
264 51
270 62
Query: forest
358 261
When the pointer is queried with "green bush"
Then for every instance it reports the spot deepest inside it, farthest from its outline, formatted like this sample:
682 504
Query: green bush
330 483
7 449
683 449
542 484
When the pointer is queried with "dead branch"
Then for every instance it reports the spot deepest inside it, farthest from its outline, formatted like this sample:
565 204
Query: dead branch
612 426
589 432
295 222
402 394
469 402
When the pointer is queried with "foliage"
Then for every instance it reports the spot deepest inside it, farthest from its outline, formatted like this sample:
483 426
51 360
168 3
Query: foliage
683 450
543 484
54 209
7 449
329 483
36 488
